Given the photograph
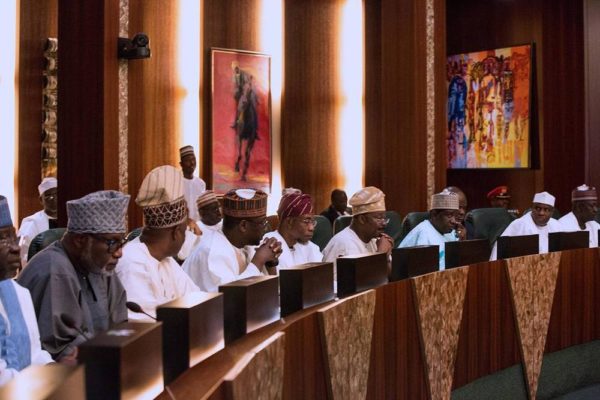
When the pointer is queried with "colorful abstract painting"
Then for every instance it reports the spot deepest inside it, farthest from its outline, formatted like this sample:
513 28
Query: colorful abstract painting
489 108
241 120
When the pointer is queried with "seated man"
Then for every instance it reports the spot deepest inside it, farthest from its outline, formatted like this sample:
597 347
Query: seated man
296 227
365 235
41 221
439 228
537 222
71 275
225 259
584 202
19 334
147 269
338 206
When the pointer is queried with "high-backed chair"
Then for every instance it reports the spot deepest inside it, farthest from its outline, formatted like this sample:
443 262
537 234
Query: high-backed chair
411 220
341 222
394 226
488 223
43 240
323 232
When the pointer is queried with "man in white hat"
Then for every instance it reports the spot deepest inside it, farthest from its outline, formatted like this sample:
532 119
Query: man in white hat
42 220
226 257
19 332
72 276
192 185
439 228
584 200
147 269
365 235
537 222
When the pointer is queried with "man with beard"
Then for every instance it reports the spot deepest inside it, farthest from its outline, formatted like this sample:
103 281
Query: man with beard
537 222
439 228
70 276
226 258
19 334
148 269
584 201
42 220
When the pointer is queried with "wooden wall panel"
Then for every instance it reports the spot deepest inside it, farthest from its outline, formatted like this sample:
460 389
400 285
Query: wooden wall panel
592 86
310 105
558 140
396 100
38 21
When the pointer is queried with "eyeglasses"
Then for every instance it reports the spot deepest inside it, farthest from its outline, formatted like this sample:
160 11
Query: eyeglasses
309 221
9 240
260 223
112 244
381 219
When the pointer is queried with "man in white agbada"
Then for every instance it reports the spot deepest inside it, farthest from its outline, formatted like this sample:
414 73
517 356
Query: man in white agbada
192 185
584 200
365 235
226 259
439 228
296 228
42 220
537 222
210 221
148 271
19 334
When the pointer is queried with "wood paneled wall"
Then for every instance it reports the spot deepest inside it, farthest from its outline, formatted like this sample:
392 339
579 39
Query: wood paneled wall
396 100
592 95
558 139
311 101
34 29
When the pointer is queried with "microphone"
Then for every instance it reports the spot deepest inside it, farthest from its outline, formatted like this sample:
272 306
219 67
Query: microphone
136 308
70 323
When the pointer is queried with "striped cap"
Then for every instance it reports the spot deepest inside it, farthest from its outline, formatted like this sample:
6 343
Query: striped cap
161 198
583 193
294 205
186 151
245 203
206 198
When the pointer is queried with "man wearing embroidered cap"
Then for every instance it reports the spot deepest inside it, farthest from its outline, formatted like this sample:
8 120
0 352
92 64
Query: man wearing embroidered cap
537 222
19 334
192 185
439 228
365 235
226 258
584 200
71 276
295 230
42 220
147 269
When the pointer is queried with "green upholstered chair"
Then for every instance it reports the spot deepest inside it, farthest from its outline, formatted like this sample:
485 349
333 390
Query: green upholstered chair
410 221
394 226
323 232
43 240
133 234
341 222
488 223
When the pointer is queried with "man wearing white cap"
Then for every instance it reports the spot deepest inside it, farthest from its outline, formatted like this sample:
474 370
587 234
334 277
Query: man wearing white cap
226 258
72 276
537 222
439 228
192 185
365 235
19 334
584 200
147 269
42 220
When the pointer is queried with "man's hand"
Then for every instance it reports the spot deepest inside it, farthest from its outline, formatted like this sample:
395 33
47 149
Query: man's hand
193 226
385 243
269 250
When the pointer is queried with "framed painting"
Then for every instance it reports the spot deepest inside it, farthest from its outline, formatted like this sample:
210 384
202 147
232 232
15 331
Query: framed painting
241 120
488 114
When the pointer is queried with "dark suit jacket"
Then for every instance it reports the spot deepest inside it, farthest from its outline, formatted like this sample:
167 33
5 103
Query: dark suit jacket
331 214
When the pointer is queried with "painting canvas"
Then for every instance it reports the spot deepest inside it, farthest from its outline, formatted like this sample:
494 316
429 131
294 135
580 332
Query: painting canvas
489 108
241 120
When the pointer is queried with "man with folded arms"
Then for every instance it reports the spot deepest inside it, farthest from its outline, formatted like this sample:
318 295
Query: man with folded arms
584 200
439 228
147 269
19 334
537 222
226 258
72 276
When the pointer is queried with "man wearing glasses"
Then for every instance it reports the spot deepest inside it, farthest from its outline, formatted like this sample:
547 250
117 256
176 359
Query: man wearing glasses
19 335
71 276
296 228
42 220
226 259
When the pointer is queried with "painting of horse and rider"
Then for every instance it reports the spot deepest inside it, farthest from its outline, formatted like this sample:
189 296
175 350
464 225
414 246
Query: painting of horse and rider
241 120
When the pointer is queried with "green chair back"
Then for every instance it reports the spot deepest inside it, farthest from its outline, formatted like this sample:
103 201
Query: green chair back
411 220
134 233
323 232
394 226
341 222
488 223
43 240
